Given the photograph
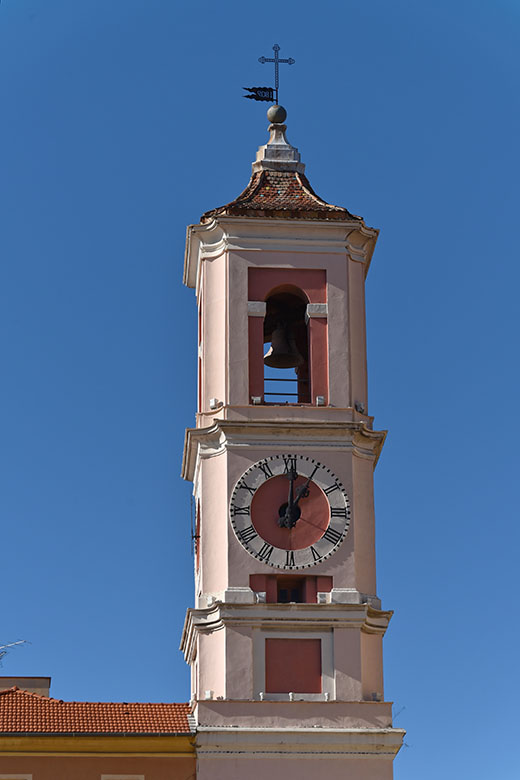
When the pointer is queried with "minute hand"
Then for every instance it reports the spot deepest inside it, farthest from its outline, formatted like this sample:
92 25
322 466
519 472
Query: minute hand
287 520
290 500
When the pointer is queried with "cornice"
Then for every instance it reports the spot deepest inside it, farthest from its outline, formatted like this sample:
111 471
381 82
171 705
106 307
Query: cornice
231 434
222 234
284 617
299 742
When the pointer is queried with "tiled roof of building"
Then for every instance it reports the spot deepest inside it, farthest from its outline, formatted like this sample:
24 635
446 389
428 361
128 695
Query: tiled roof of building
280 194
22 712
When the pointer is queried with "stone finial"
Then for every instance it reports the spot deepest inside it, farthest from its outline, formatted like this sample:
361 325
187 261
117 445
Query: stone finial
277 154
277 114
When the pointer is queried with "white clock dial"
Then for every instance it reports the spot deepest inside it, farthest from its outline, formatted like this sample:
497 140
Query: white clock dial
289 511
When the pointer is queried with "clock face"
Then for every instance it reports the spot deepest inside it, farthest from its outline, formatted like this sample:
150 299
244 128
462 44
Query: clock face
289 511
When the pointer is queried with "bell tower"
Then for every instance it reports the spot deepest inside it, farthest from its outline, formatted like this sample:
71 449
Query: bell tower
285 639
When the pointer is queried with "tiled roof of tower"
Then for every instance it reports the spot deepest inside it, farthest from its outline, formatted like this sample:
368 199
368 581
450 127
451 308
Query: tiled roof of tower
22 712
280 194
278 187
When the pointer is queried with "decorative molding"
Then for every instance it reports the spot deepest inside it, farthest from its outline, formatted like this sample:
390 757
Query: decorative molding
222 435
293 743
316 310
280 617
256 308
349 238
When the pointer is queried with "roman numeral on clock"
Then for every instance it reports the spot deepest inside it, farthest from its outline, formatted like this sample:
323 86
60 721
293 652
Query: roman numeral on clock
240 510
331 535
338 512
289 558
244 486
331 489
247 534
265 552
290 464
266 469
315 554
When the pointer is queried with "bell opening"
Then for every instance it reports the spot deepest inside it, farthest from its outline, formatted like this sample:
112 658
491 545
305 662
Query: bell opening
286 373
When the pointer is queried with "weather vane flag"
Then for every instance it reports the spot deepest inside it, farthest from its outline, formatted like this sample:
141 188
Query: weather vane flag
269 93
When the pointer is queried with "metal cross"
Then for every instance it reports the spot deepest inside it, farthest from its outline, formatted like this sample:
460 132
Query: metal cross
276 59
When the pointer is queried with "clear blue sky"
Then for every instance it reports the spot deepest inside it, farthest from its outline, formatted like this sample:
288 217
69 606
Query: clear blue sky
122 121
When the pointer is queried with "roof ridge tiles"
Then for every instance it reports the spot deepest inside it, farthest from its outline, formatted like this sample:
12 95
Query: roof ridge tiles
25 692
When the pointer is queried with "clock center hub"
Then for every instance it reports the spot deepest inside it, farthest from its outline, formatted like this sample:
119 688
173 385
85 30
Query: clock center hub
287 518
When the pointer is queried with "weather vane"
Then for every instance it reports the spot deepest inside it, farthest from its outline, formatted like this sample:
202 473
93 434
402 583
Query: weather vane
268 93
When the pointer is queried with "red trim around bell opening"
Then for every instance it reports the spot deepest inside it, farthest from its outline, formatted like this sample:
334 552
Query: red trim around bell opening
313 283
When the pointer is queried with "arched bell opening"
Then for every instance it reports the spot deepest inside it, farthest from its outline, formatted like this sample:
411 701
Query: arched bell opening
286 361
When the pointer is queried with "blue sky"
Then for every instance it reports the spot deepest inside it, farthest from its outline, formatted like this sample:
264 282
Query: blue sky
121 123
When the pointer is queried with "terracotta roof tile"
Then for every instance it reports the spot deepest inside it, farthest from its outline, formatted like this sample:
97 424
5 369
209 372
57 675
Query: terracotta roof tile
280 194
24 712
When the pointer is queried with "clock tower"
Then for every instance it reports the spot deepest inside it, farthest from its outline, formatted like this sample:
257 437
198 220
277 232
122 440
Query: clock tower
285 639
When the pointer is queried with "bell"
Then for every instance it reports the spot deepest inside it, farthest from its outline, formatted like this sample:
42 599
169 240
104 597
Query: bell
283 352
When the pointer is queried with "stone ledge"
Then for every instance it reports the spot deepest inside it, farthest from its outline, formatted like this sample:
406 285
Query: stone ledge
272 714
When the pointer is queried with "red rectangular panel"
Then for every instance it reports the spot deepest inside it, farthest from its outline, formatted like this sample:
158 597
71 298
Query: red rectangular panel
293 665
313 282
324 583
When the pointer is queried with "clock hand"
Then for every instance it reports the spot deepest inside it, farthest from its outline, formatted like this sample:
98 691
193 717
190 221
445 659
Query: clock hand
302 491
289 512
291 502
289 518
293 511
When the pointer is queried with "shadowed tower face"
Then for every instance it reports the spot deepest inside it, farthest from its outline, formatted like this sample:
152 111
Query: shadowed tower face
285 640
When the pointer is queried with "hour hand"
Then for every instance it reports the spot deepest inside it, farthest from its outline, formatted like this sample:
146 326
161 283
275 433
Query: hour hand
289 513
302 492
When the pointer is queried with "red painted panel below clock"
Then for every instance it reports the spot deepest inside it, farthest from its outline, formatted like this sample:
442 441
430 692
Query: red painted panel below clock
293 666
309 528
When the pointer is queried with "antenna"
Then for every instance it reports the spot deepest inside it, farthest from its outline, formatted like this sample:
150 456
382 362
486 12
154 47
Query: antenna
5 648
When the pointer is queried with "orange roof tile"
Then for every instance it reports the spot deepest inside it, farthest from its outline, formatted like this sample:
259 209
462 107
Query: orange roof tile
280 194
22 712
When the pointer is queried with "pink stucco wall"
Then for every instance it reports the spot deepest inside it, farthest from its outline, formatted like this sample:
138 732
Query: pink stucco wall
256 768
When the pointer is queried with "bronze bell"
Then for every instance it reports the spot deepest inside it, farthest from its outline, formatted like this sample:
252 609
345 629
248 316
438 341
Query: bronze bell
283 352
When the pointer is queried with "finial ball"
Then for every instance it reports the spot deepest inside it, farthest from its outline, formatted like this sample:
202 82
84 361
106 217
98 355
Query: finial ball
276 114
